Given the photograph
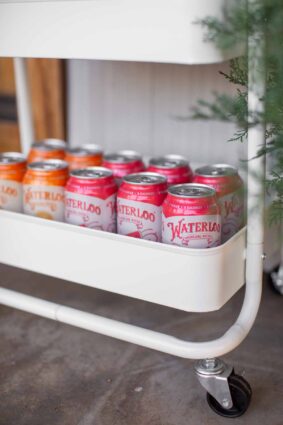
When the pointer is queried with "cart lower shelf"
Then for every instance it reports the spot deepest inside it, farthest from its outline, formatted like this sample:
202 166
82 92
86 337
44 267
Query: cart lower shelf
182 278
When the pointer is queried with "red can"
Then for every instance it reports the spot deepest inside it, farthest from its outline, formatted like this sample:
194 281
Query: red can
230 191
174 167
139 205
90 199
123 163
191 216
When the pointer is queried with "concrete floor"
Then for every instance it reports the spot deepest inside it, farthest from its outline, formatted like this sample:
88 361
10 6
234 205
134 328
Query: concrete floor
52 373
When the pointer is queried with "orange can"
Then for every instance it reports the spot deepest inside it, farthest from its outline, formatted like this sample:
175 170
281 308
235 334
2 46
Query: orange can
47 149
43 188
84 156
12 170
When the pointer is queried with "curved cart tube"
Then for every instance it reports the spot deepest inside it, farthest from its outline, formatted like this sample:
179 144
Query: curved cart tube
144 337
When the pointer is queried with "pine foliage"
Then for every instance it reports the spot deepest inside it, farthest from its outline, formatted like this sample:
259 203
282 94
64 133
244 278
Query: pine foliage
262 19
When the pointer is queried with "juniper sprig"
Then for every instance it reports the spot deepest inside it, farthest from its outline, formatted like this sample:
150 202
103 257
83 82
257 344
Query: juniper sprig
262 19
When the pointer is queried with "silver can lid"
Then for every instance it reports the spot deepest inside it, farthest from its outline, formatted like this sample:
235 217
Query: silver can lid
216 170
48 165
11 158
169 161
123 157
145 178
91 173
50 145
191 190
85 150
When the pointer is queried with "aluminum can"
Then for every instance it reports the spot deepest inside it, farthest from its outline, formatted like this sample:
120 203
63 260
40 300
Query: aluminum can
90 199
174 167
84 156
191 216
47 149
123 163
12 170
139 205
230 191
43 187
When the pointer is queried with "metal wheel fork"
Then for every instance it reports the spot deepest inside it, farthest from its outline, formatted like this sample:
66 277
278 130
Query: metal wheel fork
213 375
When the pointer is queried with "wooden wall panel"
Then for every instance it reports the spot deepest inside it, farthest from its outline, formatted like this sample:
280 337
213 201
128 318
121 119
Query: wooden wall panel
7 82
9 137
46 78
47 84
9 132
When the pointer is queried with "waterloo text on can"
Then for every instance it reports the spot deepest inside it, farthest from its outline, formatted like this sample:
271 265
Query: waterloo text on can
43 187
191 216
139 205
47 149
87 155
12 170
175 168
90 199
230 191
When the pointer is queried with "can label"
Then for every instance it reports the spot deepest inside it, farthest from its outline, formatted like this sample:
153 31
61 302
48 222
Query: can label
139 219
90 211
11 195
44 201
232 212
192 231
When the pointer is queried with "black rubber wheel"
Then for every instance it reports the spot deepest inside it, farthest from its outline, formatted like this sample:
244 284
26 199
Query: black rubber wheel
272 282
241 393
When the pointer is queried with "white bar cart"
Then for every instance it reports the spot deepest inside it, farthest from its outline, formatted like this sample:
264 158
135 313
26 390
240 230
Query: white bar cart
186 279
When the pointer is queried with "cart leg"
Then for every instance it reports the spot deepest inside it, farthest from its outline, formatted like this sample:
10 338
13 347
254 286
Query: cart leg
228 394
24 105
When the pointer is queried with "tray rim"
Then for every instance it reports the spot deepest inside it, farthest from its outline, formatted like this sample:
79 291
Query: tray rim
98 234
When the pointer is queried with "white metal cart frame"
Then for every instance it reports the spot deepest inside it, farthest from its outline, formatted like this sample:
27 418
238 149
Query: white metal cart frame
133 30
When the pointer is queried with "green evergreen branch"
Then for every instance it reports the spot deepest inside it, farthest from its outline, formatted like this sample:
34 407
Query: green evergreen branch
262 19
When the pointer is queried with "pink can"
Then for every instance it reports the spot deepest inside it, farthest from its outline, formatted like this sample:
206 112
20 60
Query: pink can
90 199
230 191
191 216
174 167
139 205
123 163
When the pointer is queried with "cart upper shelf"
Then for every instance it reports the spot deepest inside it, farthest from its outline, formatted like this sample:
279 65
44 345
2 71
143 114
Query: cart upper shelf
130 30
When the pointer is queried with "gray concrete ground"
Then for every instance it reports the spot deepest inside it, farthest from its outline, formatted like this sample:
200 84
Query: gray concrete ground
56 374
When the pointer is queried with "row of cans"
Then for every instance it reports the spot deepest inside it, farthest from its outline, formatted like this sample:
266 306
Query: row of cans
198 215
175 167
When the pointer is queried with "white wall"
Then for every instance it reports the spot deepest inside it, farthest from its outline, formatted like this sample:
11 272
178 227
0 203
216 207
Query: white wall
136 105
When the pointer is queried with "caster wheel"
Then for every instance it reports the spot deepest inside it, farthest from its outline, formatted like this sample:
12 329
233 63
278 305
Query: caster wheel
275 283
241 393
